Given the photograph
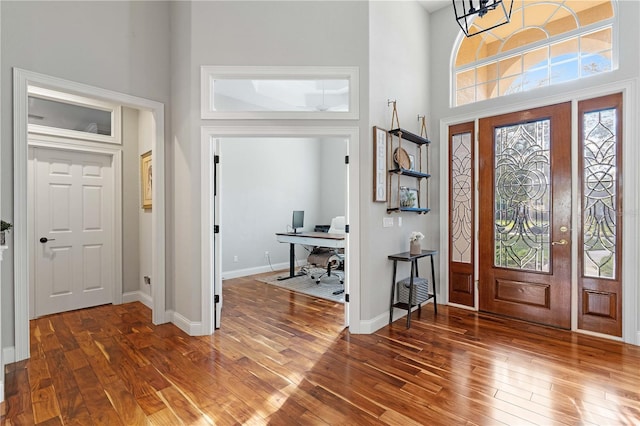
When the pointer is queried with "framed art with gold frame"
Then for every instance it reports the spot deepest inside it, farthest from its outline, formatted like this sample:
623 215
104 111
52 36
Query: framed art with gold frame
146 179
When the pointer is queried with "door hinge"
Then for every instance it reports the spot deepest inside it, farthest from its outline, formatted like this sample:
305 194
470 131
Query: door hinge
346 159
216 160
346 298
346 229
216 298
216 229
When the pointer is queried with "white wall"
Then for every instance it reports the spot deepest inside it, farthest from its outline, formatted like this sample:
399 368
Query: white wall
244 33
146 124
400 61
262 181
332 179
120 46
130 201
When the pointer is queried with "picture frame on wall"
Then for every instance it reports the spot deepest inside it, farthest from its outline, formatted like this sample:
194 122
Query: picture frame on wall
146 179
380 137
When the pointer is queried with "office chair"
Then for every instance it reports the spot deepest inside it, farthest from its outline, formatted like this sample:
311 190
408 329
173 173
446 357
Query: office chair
329 261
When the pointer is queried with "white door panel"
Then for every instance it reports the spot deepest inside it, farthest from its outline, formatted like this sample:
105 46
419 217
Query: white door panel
73 211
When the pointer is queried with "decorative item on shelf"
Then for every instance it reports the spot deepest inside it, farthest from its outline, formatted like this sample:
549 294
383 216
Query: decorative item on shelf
4 227
408 197
490 14
401 158
414 242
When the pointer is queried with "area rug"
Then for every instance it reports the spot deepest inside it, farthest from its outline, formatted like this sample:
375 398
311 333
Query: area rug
304 284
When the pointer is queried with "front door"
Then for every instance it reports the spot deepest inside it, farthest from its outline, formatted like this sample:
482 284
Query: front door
525 215
73 195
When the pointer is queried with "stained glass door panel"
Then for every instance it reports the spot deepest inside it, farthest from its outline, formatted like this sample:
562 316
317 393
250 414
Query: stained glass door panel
525 215
461 214
600 233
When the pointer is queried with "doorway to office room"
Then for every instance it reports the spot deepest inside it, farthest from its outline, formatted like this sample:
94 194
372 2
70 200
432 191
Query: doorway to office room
258 182
287 174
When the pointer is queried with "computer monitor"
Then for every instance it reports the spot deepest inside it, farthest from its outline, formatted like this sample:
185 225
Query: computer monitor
298 220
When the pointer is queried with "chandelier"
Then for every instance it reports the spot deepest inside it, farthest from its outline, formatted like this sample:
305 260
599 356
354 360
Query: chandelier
492 12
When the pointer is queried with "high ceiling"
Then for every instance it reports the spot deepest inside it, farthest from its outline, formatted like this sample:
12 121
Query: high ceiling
433 5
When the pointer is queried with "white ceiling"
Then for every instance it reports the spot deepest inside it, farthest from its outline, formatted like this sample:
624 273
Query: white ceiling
433 5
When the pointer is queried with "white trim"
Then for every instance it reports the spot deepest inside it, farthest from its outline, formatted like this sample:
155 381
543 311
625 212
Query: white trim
39 141
256 270
631 153
631 218
9 354
352 267
382 320
192 328
22 79
209 73
374 324
138 296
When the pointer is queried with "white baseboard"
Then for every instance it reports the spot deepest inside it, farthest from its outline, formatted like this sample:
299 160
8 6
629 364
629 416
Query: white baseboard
138 296
375 324
256 270
8 355
192 328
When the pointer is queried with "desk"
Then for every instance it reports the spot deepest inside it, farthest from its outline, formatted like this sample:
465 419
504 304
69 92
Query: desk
413 258
317 239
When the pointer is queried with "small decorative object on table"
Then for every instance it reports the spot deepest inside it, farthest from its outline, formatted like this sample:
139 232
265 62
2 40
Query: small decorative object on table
4 227
414 242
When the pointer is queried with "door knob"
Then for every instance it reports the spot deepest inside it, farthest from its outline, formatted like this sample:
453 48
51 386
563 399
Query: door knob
45 239
562 242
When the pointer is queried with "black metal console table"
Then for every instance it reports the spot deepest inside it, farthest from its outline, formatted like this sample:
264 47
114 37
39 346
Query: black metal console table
412 301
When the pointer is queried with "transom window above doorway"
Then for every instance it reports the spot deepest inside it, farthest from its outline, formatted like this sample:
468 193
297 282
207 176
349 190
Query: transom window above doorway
547 42
71 116
279 92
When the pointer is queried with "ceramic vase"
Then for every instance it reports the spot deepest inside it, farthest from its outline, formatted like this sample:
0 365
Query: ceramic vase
414 247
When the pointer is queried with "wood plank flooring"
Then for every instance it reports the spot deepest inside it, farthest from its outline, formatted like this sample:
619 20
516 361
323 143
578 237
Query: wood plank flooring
282 358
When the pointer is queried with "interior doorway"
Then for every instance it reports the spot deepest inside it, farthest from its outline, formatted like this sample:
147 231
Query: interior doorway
302 175
24 82
212 243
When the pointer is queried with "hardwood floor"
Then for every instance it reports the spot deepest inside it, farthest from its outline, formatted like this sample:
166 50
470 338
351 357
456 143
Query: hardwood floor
282 358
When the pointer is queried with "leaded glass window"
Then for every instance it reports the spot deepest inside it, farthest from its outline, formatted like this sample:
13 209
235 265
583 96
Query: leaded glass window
522 196
462 193
600 193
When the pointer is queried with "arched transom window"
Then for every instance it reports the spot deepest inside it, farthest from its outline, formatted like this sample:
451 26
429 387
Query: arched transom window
547 42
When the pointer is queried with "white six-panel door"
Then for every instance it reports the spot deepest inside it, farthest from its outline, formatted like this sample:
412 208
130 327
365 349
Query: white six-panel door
73 213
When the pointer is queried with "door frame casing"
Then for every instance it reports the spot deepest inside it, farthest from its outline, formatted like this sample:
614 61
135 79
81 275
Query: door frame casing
21 81
61 144
210 247
631 152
